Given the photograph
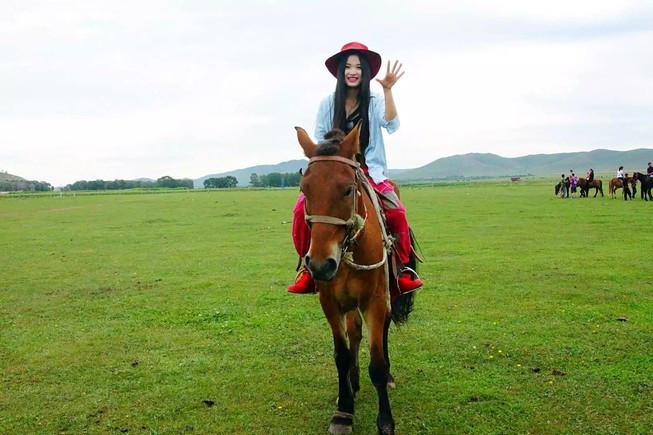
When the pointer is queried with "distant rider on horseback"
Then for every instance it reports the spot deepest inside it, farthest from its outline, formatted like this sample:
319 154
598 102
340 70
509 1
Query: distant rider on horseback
621 176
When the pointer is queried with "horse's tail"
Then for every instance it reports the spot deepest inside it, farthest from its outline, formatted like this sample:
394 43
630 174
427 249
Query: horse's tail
402 305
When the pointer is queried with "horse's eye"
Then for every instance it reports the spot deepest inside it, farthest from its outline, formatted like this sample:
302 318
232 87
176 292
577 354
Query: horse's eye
348 192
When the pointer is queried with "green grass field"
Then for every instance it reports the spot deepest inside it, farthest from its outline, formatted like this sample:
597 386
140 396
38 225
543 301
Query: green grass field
130 312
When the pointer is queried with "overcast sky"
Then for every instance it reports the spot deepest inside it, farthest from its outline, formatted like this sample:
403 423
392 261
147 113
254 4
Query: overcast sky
128 89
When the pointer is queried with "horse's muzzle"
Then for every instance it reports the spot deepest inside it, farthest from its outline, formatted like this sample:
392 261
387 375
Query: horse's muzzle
322 271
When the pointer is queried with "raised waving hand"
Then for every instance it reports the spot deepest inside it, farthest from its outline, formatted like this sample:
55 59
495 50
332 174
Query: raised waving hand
391 76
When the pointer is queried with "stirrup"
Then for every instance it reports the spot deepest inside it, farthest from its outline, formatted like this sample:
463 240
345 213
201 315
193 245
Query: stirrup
406 269
300 273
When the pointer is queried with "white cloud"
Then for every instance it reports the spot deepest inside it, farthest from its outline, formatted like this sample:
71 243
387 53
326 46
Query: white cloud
551 10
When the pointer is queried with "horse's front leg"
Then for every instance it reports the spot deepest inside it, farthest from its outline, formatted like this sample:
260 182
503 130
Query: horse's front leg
343 419
355 335
377 318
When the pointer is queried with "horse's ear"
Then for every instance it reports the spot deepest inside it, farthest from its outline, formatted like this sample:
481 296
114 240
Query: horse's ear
306 142
350 146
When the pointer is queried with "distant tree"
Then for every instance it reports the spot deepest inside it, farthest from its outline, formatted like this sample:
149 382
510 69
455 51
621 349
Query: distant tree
292 179
263 180
79 185
274 179
221 182
42 186
169 182
231 181
166 181
211 183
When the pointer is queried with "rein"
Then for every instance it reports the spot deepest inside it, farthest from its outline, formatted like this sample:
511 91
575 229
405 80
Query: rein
355 224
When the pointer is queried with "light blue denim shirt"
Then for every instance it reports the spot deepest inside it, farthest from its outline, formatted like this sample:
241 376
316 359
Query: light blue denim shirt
375 152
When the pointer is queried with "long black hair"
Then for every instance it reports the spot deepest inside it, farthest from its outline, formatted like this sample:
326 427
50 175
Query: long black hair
339 112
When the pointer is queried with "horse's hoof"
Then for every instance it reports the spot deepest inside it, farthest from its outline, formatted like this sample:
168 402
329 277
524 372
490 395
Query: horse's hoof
339 428
387 431
341 422
386 428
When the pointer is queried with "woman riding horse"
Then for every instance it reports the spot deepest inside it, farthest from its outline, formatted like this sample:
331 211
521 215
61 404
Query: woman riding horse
353 103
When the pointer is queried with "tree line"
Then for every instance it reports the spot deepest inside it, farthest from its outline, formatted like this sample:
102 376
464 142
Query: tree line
165 181
275 179
220 182
16 185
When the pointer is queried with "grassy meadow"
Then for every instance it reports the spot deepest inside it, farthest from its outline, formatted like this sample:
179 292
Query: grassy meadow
169 314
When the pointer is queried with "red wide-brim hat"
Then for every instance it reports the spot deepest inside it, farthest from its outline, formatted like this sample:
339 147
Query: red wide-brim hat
373 58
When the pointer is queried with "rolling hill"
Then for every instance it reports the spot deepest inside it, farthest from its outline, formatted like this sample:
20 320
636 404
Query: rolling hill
10 182
243 175
483 165
492 165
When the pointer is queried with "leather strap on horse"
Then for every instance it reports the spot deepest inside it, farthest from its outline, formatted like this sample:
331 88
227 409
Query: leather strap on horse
328 220
349 223
355 222
387 241
344 160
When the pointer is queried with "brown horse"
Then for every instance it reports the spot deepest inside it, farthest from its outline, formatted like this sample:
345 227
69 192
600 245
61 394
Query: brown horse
349 263
585 187
616 183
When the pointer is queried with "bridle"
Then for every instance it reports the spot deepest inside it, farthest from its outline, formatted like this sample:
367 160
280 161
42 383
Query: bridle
355 224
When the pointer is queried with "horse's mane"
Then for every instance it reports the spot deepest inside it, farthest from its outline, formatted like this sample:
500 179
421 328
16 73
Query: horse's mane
331 143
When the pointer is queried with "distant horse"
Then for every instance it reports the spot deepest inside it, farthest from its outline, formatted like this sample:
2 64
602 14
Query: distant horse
616 183
647 185
585 187
349 263
559 186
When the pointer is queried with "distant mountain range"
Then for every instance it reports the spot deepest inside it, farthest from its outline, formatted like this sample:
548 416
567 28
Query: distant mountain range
483 165
462 166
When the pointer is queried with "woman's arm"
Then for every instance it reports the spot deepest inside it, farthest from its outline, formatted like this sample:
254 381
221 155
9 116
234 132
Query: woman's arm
323 119
391 77
390 108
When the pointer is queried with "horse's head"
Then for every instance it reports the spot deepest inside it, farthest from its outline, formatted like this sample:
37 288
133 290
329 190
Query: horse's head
557 188
330 187
636 176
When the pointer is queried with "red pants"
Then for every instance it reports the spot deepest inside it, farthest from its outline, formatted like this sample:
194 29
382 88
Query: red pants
395 215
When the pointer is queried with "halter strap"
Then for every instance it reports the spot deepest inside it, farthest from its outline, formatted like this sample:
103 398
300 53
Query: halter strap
344 160
356 222
328 220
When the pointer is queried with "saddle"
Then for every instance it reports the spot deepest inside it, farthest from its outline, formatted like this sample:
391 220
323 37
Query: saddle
394 264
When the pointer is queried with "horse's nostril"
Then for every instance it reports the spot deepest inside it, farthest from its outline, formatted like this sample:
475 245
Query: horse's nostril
307 260
323 271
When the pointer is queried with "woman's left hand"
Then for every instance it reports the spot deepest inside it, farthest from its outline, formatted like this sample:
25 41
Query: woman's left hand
391 76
